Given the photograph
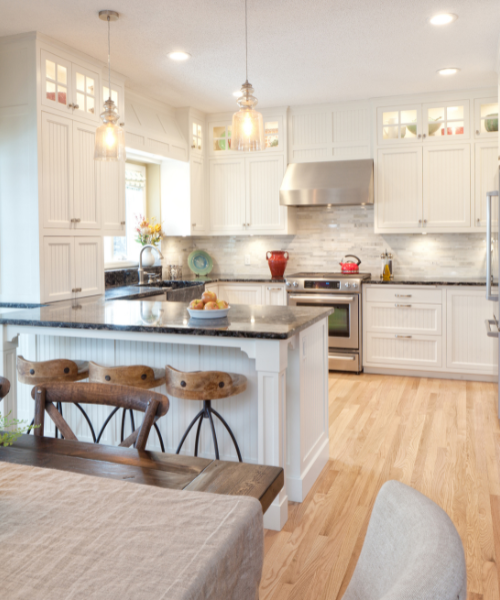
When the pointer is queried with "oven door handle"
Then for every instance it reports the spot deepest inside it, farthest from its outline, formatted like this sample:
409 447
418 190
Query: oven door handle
313 298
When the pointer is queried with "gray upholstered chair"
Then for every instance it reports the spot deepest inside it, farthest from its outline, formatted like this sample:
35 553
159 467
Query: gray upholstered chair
412 551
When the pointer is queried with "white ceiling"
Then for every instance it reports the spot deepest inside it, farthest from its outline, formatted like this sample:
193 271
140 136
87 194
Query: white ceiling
301 51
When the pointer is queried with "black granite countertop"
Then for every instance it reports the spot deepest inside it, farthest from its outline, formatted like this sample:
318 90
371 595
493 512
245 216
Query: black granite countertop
429 281
18 305
246 321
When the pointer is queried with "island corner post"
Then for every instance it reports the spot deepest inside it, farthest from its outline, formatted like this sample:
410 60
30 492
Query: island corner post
282 419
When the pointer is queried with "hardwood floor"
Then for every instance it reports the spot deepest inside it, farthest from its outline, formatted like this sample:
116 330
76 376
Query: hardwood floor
441 437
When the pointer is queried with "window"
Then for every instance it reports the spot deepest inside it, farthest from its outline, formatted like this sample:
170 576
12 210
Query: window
124 250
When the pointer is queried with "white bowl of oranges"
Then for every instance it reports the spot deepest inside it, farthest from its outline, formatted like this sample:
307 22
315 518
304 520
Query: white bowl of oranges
208 307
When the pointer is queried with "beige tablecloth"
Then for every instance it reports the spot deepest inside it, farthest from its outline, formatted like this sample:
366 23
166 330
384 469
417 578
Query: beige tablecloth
65 536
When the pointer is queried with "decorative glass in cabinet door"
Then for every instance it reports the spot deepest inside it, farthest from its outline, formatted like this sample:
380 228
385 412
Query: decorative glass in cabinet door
271 134
197 137
489 118
445 121
400 124
85 93
56 82
222 138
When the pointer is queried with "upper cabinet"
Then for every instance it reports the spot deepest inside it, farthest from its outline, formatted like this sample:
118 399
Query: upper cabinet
220 135
419 123
334 132
70 87
486 118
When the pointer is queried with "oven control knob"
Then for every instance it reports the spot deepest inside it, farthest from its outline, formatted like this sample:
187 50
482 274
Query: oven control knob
288 284
295 284
354 285
347 285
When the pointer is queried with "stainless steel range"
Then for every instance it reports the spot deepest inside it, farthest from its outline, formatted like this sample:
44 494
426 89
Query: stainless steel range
343 292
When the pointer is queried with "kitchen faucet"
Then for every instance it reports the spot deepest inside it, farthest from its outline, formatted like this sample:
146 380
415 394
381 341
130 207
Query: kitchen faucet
141 271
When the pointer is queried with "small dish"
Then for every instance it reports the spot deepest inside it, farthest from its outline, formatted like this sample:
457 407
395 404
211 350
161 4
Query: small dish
220 313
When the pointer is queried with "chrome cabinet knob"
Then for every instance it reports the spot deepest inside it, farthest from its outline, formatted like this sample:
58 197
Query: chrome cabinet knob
477 132
194 224
123 223
419 135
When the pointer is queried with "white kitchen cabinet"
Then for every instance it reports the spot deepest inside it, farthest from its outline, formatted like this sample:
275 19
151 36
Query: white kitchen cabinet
72 267
111 196
199 209
86 205
235 293
405 316
403 350
220 136
399 124
486 118
398 204
446 186
275 294
227 195
445 121
468 348
197 128
486 180
264 176
57 171
69 87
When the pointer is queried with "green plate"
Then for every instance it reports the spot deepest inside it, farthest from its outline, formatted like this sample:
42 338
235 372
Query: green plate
200 262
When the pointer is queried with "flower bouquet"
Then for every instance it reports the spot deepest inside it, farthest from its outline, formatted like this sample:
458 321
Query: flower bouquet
148 232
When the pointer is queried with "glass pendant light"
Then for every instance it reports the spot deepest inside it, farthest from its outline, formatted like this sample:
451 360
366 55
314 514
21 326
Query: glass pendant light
248 126
109 137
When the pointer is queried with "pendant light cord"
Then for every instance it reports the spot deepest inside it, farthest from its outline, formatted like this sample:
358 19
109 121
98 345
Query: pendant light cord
109 56
246 42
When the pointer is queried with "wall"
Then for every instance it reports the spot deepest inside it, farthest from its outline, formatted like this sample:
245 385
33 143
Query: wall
324 235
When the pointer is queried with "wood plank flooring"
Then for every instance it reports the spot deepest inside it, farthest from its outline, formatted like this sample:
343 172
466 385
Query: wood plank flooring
442 437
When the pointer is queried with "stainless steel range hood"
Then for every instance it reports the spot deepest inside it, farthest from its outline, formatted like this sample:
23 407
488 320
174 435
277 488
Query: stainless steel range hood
340 183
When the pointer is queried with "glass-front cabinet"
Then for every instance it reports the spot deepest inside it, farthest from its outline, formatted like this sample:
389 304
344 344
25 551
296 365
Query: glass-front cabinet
400 124
485 117
69 87
197 142
446 121
220 133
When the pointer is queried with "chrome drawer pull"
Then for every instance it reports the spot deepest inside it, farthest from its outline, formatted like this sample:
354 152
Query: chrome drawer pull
403 337
337 357
278 289
402 295
402 305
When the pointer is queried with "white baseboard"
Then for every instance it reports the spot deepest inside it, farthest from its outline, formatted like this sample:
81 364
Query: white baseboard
276 515
297 488
432 374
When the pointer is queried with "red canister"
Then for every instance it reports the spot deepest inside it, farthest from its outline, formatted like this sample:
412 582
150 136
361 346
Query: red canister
277 260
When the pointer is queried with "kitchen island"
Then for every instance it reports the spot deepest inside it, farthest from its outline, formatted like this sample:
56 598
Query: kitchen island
282 417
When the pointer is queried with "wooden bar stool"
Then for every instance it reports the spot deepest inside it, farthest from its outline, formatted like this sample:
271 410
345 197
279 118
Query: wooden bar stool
4 387
153 406
137 376
206 386
50 371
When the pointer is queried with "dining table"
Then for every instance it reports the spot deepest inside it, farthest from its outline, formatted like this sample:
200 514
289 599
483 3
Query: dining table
80 520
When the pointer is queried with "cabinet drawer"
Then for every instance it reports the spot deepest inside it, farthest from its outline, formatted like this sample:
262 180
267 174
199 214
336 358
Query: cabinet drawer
393 350
403 317
392 293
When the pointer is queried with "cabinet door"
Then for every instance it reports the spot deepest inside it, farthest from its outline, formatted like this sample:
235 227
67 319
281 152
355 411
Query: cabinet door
399 188
58 275
227 195
486 180
89 266
55 75
445 121
469 349
111 195
86 96
486 118
198 203
85 197
238 293
220 137
57 171
399 124
403 350
447 193
264 175
197 137
275 295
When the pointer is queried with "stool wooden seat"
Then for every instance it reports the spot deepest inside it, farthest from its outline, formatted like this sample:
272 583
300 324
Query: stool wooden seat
137 376
51 371
4 387
205 386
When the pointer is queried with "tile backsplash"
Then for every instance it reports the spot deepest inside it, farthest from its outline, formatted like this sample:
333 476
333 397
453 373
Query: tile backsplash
325 235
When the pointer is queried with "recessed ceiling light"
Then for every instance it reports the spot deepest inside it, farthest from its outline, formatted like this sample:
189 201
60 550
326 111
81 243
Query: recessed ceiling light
443 19
179 55
449 71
